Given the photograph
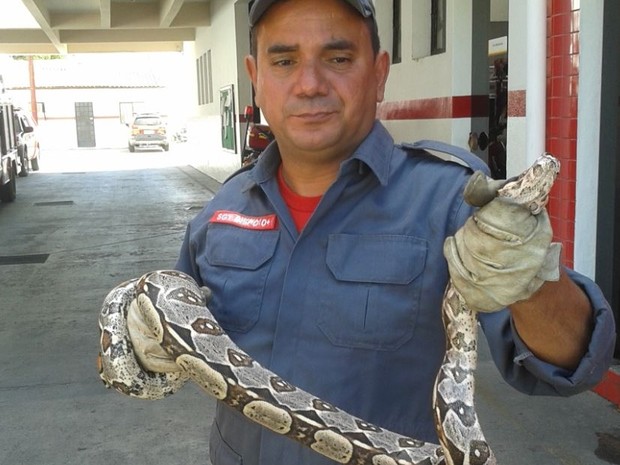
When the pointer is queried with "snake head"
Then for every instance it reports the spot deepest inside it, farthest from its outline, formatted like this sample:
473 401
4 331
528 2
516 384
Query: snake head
531 188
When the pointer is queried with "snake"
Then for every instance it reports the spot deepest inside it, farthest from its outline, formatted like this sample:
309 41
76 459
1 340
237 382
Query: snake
175 309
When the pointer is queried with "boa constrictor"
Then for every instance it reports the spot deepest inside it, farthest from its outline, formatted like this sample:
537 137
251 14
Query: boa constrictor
175 309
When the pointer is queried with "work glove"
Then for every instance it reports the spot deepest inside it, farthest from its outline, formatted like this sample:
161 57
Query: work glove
503 253
146 345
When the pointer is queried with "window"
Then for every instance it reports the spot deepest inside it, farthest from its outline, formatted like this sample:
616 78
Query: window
397 37
200 80
438 26
204 78
428 28
209 71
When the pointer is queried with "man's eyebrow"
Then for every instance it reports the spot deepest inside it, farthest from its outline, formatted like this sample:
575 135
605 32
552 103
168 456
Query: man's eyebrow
282 48
340 44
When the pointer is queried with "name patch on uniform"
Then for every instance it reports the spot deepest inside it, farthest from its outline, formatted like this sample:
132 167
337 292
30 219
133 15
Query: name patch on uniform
259 223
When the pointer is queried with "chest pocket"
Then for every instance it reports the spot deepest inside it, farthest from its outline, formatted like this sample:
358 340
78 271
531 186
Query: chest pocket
238 262
373 300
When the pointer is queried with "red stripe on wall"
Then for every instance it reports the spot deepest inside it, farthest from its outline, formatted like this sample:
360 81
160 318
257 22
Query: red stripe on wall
462 106
516 103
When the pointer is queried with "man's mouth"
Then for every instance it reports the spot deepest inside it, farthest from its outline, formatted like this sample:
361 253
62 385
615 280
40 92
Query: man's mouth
315 116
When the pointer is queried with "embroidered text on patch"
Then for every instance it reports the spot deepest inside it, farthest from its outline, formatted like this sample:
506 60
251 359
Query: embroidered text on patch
260 223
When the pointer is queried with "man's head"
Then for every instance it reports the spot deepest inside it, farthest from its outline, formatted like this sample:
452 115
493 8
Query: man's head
365 8
316 76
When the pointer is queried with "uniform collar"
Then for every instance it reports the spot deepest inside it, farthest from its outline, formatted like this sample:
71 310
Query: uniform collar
375 152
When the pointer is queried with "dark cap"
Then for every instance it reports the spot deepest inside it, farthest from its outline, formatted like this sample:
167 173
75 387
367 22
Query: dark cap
364 7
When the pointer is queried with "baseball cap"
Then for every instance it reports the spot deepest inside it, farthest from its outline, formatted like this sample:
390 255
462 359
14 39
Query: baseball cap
364 7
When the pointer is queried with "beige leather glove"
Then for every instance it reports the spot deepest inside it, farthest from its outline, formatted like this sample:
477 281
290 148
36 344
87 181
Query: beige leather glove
146 344
503 253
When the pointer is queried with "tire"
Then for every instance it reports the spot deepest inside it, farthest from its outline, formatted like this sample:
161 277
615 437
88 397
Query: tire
23 159
34 163
166 147
8 192
132 148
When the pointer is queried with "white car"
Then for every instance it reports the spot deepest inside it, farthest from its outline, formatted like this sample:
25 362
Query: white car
28 148
148 130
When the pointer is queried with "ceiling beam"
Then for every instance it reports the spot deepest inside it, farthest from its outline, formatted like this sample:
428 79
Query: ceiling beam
168 10
42 16
105 10
80 20
22 36
128 35
193 14
25 42
111 47
128 15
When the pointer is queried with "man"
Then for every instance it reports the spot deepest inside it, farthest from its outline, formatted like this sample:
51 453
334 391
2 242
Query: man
326 259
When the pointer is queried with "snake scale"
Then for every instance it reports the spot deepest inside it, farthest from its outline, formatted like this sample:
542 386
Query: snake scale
175 310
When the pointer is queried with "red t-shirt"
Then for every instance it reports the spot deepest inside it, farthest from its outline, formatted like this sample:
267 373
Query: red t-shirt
301 207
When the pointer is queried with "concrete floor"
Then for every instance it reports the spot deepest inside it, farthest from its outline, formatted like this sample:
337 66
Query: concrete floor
93 218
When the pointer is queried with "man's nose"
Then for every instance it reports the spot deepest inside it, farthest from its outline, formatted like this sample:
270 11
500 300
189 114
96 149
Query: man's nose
311 79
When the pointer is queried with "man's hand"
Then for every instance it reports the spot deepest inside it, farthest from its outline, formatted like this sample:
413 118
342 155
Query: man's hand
502 254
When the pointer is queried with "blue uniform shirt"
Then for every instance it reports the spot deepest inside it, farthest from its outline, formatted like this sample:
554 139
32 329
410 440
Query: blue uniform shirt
350 308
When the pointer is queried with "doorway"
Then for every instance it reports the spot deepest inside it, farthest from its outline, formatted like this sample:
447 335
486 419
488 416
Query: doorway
85 124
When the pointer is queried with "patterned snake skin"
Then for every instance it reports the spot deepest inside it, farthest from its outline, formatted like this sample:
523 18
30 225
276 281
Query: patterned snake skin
174 308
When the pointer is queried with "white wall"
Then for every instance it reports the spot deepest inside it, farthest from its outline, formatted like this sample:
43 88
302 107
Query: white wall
221 38
517 80
60 103
453 73
416 78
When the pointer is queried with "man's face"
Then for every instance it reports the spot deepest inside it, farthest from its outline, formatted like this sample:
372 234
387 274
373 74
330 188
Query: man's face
316 78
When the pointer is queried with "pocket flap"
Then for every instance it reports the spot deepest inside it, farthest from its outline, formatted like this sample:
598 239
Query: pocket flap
239 248
389 259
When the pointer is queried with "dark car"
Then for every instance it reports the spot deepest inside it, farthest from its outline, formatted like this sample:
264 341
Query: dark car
148 130
8 152
28 147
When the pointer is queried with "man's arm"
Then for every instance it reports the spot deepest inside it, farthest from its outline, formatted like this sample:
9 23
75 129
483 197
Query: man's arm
556 322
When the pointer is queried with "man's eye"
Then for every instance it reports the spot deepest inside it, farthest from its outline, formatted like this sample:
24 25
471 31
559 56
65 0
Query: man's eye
283 62
340 60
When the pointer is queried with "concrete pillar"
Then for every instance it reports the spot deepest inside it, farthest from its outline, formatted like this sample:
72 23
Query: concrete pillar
535 100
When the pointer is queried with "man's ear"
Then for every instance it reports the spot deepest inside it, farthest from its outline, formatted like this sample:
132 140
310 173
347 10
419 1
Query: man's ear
382 70
250 68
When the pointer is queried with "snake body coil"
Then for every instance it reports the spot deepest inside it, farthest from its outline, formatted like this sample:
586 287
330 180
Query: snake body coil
174 308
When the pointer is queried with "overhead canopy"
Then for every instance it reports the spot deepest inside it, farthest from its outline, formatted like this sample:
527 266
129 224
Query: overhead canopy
70 26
